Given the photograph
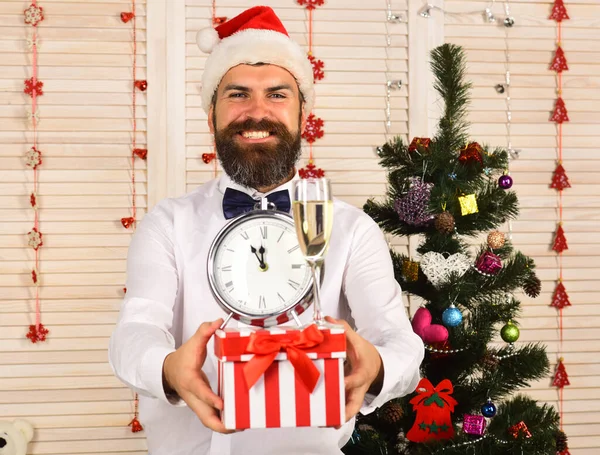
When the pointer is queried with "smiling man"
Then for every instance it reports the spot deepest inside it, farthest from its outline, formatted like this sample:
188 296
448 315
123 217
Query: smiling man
257 89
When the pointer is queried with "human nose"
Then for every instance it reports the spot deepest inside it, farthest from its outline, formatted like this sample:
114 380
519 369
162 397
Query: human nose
258 109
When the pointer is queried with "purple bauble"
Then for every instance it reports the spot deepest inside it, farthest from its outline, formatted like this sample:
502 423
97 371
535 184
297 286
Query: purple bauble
505 182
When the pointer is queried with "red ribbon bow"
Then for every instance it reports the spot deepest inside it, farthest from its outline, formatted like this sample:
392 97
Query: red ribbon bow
442 391
266 346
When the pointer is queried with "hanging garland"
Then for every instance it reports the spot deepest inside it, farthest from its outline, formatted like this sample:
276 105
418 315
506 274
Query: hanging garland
139 153
314 125
34 14
560 182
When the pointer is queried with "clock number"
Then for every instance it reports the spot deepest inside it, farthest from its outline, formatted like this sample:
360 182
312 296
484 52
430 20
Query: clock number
245 235
297 266
263 232
229 286
261 302
280 297
227 268
292 249
283 232
293 284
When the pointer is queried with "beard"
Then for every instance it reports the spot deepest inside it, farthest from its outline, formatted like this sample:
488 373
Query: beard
258 165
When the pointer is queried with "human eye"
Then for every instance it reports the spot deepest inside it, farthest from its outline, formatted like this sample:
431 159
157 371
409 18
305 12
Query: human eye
279 96
237 95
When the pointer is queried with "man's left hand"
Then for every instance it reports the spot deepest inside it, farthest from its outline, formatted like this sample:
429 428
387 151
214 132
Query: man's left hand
364 369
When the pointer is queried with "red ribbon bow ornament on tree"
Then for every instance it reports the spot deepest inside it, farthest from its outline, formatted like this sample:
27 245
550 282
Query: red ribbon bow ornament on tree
433 406
266 347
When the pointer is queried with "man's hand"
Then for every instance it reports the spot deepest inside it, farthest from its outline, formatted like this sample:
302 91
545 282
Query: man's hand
363 371
182 371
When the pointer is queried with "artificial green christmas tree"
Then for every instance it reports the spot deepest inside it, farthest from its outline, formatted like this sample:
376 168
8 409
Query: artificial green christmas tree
447 189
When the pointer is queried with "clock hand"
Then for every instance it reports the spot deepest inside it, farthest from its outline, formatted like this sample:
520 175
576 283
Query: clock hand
262 253
261 263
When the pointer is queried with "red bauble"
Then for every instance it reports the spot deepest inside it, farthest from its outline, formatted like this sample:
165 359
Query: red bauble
560 241
560 114
141 85
559 64
208 157
311 4
33 87
559 12
314 129
135 425
471 153
561 378
311 172
127 222
318 65
38 333
141 153
560 181
126 16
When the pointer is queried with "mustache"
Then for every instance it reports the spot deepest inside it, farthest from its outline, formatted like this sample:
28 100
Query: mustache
276 128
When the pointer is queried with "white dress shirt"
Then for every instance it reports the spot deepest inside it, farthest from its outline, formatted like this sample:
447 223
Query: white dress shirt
168 297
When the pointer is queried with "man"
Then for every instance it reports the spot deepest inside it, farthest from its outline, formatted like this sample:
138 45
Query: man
257 91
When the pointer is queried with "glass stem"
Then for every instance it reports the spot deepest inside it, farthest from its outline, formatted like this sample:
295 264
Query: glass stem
316 273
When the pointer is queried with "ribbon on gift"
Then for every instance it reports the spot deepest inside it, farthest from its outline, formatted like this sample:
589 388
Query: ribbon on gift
266 346
439 395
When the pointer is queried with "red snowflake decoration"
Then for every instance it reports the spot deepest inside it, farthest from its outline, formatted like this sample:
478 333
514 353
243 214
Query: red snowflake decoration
561 378
33 158
560 241
126 16
314 129
33 201
141 85
33 86
311 172
141 153
34 15
34 277
311 4
34 239
560 181
318 66
560 299
38 333
559 12
560 114
559 63
208 157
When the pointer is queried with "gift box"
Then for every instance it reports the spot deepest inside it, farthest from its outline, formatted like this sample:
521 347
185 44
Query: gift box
281 377
474 424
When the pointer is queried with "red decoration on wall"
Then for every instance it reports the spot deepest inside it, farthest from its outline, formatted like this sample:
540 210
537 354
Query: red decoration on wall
208 157
35 239
34 277
33 158
127 222
311 172
559 12
33 201
560 181
135 424
311 4
219 20
561 378
37 333
126 17
141 85
433 407
318 66
560 299
560 114
314 129
560 241
559 63
141 153
34 15
33 86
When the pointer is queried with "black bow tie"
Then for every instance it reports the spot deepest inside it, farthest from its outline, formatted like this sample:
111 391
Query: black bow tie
237 202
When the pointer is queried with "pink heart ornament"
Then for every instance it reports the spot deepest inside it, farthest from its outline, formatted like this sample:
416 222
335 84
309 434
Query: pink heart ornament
429 333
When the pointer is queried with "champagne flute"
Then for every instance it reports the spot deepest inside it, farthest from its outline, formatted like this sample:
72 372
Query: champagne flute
313 217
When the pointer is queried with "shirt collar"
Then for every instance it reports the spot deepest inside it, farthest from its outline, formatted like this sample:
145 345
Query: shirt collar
226 182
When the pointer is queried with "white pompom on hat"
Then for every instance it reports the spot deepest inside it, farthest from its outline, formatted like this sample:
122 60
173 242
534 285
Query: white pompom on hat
254 36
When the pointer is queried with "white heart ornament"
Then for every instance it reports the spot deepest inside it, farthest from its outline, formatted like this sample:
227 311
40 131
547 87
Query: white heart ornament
437 268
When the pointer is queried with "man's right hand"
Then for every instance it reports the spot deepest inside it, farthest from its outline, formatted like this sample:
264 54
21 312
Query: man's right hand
182 371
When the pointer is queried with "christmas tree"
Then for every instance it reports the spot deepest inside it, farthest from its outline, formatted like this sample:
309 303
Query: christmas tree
447 190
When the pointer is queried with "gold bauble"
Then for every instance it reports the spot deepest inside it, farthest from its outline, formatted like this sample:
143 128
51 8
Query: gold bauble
496 239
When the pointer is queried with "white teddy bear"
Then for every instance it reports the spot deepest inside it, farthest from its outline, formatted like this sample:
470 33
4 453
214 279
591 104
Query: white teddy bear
14 437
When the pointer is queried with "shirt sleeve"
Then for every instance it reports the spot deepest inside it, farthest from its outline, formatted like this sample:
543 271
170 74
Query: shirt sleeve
375 301
141 339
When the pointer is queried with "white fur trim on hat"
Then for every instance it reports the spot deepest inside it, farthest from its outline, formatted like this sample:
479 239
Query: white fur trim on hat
253 46
207 39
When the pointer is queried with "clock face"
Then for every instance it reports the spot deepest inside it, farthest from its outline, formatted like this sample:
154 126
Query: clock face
256 268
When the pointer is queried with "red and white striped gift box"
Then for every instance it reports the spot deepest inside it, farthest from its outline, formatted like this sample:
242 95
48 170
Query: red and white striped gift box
280 398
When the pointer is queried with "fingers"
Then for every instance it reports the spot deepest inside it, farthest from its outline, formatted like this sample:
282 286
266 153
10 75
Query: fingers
207 414
207 330
354 401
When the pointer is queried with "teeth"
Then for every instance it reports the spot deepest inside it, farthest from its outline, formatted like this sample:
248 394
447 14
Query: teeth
256 134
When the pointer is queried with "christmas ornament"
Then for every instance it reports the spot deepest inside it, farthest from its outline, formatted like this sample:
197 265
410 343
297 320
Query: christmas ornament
532 286
135 425
471 153
488 264
419 144
219 20
33 201
519 428
509 22
510 332
311 4
433 407
488 409
126 16
34 15
318 66
496 239
314 129
441 349
33 42
429 333
127 222
559 12
559 63
452 317
561 441
141 153
33 158
560 181
444 223
34 277
560 241
34 239
412 208
37 333
410 270
379 151
390 413
500 88
474 424
468 204
208 157
505 182
438 269
311 172
561 378
141 85
33 85
32 116
560 299
560 114
490 362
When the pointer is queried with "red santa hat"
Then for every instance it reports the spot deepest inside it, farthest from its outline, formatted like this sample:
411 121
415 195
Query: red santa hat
255 36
